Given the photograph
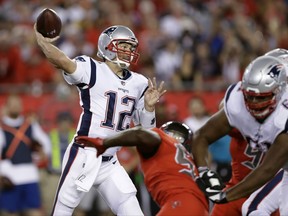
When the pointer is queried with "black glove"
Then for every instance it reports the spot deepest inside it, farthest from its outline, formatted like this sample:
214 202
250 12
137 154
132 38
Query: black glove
215 196
210 179
211 184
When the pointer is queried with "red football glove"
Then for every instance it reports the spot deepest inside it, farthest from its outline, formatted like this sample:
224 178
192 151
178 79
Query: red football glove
92 142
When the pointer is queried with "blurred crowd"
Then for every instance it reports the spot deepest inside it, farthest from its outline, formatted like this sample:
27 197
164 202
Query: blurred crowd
191 44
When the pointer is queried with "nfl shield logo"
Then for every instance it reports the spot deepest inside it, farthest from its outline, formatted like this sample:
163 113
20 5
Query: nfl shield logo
123 83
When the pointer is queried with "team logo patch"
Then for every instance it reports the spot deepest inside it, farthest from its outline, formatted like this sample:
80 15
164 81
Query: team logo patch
175 204
80 59
109 31
275 71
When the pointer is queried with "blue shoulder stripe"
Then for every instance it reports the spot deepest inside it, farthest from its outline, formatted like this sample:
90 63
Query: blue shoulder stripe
286 127
86 99
144 92
230 89
92 77
93 74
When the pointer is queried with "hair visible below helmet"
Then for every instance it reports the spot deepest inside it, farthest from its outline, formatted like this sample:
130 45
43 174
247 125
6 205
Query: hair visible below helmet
108 43
263 85
180 131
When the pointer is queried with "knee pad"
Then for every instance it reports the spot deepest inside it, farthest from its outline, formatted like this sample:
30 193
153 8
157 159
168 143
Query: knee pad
61 209
117 189
130 207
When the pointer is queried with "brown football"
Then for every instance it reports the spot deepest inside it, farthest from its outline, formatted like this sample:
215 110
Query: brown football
48 23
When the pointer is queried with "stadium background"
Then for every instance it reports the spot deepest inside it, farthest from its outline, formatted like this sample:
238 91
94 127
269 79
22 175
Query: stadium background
197 47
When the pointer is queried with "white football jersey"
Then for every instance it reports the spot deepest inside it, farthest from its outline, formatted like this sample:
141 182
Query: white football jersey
259 136
109 102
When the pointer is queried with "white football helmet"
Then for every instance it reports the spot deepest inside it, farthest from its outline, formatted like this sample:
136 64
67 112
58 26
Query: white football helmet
282 54
108 46
277 52
263 84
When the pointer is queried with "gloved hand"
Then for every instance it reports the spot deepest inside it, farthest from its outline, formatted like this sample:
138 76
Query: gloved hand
92 142
210 183
215 196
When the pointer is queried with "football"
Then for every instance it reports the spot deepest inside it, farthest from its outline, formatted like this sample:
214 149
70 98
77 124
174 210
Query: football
48 23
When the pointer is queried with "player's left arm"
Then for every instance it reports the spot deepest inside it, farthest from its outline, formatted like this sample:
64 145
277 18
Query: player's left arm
274 160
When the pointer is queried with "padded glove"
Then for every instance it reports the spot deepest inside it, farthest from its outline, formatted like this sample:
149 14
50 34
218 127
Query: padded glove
211 184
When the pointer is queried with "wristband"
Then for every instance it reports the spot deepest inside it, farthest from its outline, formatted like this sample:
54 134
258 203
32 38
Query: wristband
202 168
147 119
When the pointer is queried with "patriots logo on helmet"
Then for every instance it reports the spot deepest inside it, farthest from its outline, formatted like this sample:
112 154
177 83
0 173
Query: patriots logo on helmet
109 31
275 71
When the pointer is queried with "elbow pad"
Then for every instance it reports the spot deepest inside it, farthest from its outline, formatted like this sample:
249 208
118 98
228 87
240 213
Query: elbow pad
147 119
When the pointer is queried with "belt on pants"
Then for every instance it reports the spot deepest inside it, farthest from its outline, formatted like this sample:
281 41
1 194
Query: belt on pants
106 158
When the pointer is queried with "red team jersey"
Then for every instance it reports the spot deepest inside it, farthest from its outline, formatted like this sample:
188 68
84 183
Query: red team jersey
169 177
244 160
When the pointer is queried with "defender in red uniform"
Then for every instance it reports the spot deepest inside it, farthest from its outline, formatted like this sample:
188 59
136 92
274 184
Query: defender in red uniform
168 167
244 160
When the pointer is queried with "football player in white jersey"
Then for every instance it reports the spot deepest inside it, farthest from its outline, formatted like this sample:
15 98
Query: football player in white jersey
266 200
111 96
258 107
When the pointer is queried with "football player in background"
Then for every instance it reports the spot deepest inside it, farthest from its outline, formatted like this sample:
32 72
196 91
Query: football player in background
111 96
257 107
167 166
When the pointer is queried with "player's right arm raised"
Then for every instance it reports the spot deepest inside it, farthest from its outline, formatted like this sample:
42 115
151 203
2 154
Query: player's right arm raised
53 54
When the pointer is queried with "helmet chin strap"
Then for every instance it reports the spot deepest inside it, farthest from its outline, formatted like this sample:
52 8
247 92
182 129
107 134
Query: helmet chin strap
120 63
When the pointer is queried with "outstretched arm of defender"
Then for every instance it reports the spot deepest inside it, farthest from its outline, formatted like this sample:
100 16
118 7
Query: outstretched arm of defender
146 141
